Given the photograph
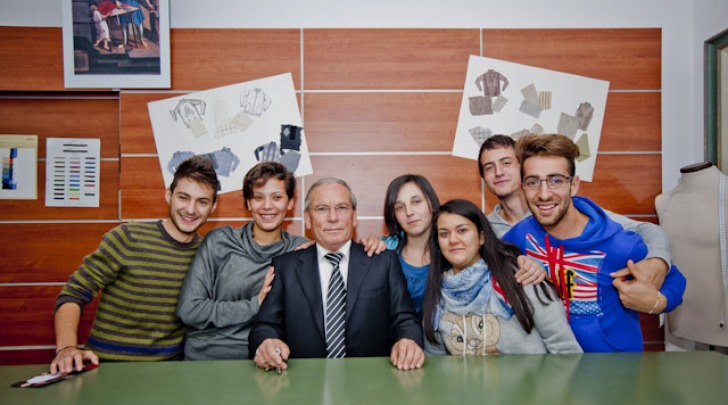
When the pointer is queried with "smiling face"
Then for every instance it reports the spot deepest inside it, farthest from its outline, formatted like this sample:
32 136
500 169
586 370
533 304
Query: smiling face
412 211
549 205
459 240
189 206
269 205
501 171
330 216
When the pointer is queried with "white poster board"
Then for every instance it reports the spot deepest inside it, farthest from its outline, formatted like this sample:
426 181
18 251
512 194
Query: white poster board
19 155
237 126
507 98
73 172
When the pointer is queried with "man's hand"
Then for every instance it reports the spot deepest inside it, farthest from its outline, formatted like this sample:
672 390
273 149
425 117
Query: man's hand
529 271
638 293
272 354
373 246
653 268
70 358
407 355
267 284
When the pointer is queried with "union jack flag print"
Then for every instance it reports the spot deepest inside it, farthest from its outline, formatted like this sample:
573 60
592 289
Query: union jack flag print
574 274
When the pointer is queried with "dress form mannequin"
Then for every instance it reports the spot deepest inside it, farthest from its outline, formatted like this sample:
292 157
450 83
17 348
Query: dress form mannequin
690 214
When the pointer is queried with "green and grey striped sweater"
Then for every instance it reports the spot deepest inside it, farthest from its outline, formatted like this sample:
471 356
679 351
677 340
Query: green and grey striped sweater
140 269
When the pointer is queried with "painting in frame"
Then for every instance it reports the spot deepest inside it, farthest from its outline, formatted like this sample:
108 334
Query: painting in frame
116 44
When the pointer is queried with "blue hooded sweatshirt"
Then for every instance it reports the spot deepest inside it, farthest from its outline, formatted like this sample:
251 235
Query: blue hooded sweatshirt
579 268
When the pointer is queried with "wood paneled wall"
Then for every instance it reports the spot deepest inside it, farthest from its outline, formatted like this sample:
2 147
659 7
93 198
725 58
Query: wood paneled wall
376 103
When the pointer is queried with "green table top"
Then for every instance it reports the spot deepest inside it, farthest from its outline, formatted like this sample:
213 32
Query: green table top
620 378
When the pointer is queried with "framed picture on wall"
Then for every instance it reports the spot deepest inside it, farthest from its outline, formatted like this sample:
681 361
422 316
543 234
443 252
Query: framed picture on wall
716 100
116 44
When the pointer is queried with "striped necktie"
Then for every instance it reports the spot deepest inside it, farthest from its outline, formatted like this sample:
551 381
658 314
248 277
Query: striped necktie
335 310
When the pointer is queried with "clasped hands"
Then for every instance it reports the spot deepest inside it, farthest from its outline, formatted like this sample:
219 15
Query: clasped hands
273 354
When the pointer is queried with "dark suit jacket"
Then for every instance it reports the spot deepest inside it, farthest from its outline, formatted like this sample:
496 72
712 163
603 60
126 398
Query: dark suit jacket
379 309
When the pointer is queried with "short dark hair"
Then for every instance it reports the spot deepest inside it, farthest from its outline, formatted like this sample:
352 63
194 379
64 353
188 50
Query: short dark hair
494 142
198 169
329 180
390 199
548 145
259 174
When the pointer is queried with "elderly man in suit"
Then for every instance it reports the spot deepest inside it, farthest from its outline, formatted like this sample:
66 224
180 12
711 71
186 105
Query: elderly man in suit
331 300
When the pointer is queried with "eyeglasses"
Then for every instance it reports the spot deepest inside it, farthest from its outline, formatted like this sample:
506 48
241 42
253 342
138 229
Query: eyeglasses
552 181
323 210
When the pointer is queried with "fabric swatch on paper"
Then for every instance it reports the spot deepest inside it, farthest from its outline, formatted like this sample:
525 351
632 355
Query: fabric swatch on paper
530 108
481 105
255 102
584 150
269 152
491 83
224 161
537 129
544 99
189 110
198 128
530 93
290 160
480 134
223 124
291 137
517 135
499 103
584 113
242 121
568 124
177 159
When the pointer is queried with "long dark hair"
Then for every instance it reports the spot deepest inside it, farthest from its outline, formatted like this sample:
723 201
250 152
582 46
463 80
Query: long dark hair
501 258
391 198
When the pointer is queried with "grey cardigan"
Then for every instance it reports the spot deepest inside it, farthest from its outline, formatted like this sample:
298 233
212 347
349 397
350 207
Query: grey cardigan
219 297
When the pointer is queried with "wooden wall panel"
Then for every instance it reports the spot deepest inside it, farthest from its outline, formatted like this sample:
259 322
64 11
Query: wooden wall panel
632 122
46 252
381 122
369 176
207 58
36 210
626 184
135 132
421 59
30 312
19 357
627 58
59 116
31 58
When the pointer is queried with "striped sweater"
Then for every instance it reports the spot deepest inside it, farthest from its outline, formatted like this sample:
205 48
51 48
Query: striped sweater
140 269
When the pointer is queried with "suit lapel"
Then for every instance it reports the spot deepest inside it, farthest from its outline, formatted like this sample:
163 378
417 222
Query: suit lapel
358 268
309 280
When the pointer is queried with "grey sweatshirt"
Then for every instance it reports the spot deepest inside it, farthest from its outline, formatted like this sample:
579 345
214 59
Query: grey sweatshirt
219 297
479 333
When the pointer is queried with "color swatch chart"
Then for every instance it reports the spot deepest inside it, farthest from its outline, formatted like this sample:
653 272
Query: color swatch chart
72 172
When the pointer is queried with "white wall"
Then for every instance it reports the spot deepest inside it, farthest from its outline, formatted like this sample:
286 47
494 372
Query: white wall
685 25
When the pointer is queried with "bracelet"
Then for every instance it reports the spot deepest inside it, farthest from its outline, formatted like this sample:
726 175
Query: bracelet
64 348
657 302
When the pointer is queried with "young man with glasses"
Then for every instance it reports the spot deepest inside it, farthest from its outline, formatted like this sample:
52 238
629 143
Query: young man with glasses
501 171
582 248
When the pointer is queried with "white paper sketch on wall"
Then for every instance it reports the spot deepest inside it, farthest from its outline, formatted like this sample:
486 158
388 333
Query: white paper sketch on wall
19 154
236 126
502 97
